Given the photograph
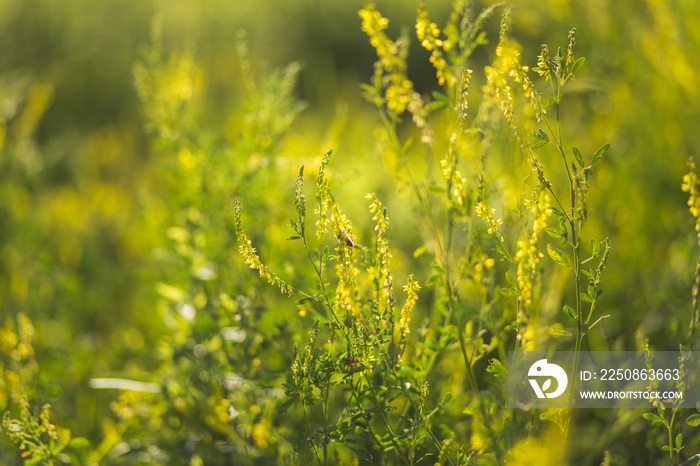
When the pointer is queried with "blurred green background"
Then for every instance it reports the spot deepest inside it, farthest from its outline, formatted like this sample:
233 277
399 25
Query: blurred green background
89 194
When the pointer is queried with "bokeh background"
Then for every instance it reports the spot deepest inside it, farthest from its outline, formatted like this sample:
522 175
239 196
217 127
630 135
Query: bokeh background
94 202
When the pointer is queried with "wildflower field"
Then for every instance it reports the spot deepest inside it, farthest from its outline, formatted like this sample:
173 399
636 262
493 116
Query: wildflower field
305 232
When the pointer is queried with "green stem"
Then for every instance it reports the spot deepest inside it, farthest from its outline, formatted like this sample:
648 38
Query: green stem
385 421
308 430
670 435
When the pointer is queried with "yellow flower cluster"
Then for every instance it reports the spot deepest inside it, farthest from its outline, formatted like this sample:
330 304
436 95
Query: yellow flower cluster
411 288
528 255
383 253
485 212
464 96
506 69
347 293
323 197
456 183
390 70
484 263
429 36
690 185
251 256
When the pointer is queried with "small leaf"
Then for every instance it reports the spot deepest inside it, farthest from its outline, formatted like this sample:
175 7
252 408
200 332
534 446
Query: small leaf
592 291
553 232
693 420
292 238
562 227
537 145
496 368
79 442
543 134
569 311
652 417
407 146
363 455
578 64
592 246
170 292
601 248
441 97
558 211
304 300
435 105
434 279
679 441
599 153
446 398
586 298
578 156
420 251
558 255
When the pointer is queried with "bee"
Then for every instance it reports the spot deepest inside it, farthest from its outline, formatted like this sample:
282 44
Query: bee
342 235
352 365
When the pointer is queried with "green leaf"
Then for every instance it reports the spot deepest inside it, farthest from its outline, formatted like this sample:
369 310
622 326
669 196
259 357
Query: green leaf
601 248
558 255
569 311
79 442
170 292
592 291
304 300
434 279
553 232
441 97
592 246
679 441
407 146
420 251
446 398
562 227
693 420
586 298
654 418
558 211
435 105
537 145
496 368
363 455
578 156
578 64
543 134
292 238
436 189
599 153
